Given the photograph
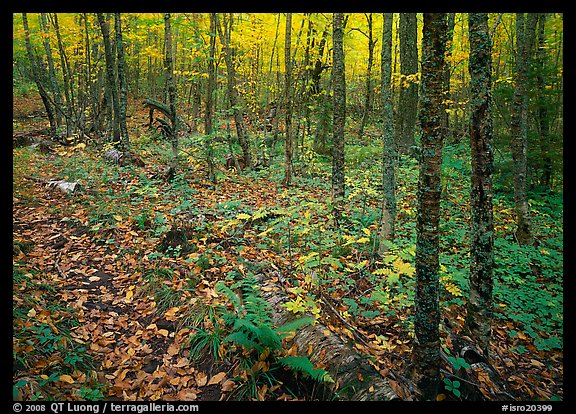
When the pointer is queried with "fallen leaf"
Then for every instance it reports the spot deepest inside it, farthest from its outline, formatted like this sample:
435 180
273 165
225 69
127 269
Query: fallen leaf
228 385
67 378
201 379
217 378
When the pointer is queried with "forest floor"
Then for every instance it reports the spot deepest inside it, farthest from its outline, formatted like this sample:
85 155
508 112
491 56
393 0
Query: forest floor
107 299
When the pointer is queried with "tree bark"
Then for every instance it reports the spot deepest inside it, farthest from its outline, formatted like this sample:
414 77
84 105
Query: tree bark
354 378
479 309
387 228
339 82
408 104
426 349
447 71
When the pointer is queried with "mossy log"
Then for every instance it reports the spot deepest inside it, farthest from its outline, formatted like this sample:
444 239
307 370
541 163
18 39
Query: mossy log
355 379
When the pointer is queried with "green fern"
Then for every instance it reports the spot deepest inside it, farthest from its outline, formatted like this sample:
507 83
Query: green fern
303 364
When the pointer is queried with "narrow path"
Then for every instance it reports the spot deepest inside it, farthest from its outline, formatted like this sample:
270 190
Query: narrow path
138 354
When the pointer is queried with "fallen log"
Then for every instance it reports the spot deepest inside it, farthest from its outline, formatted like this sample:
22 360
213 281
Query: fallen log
354 378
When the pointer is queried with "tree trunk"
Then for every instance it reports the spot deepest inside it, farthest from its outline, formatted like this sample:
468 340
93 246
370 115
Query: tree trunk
171 93
408 104
288 103
209 111
113 91
123 99
426 348
51 72
224 34
479 309
387 227
543 115
447 71
355 379
339 82
37 76
368 96
519 125
67 78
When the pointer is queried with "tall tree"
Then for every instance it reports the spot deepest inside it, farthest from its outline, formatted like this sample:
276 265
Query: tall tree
37 74
225 34
171 93
543 115
209 111
479 309
123 96
426 348
408 101
67 78
110 76
368 96
448 70
389 154
288 103
57 98
525 29
339 82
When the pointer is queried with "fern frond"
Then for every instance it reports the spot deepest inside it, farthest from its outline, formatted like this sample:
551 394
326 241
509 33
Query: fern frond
240 338
289 327
303 364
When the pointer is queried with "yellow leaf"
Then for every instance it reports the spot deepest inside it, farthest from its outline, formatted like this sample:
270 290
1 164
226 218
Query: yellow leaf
44 376
117 218
366 232
129 295
67 378
163 332
243 216
32 312
363 240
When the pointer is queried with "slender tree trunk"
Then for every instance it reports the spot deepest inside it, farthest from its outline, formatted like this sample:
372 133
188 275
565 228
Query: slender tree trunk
339 82
171 93
426 348
447 71
387 228
123 99
408 105
67 78
51 71
37 75
368 96
209 111
113 91
225 35
479 310
543 115
288 103
519 125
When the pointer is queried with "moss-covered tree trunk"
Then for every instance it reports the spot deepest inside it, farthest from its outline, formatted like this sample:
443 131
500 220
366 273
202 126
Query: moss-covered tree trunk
479 309
426 348
339 82
543 113
408 103
389 154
